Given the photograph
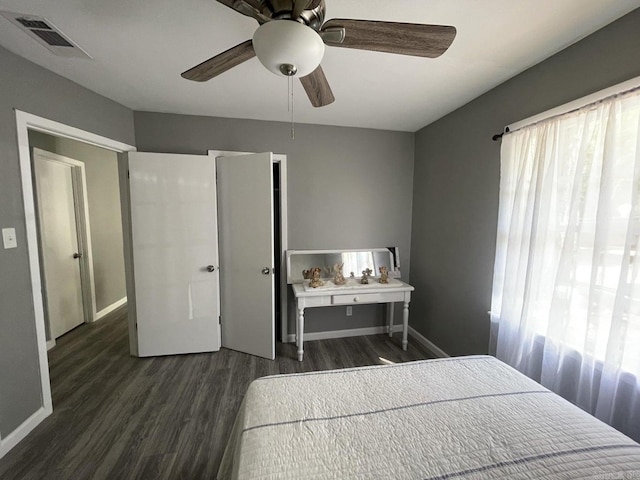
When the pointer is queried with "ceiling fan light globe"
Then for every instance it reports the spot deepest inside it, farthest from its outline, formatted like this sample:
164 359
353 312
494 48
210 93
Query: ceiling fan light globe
285 42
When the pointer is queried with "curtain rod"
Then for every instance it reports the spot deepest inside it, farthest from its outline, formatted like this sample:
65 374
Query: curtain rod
498 136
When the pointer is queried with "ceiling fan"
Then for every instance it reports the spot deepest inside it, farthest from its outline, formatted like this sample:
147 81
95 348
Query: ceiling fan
292 34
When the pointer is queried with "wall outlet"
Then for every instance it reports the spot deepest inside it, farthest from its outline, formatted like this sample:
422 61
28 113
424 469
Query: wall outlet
349 311
9 238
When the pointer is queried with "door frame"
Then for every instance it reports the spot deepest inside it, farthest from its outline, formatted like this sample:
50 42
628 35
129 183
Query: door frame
81 208
25 122
284 235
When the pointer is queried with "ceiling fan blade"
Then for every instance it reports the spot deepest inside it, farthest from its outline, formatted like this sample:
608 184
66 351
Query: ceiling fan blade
403 38
221 63
317 88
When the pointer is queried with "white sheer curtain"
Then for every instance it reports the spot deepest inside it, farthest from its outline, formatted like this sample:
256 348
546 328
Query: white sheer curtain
566 292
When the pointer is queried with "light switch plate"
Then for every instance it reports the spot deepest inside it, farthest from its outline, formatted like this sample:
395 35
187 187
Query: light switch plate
9 238
349 311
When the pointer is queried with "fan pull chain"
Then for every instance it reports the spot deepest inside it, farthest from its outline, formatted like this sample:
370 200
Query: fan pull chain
290 72
293 125
288 94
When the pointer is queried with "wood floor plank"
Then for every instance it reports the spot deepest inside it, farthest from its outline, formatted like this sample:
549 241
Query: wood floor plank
154 466
120 417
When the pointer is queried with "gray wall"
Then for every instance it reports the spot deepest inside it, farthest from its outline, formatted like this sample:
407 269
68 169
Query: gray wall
348 187
103 196
457 175
27 87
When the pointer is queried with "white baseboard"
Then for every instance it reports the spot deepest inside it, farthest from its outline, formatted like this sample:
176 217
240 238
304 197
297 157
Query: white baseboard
22 431
428 344
353 332
51 344
107 310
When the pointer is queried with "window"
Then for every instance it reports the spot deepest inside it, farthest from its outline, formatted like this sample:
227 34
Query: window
566 274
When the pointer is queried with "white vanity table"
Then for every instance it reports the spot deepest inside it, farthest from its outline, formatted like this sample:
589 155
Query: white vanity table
352 293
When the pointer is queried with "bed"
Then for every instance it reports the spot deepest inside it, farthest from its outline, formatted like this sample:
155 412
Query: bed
464 417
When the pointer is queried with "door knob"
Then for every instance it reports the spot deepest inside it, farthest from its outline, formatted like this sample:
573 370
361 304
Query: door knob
77 255
266 271
211 268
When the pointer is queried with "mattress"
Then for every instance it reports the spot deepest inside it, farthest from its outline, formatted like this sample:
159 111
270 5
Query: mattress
464 417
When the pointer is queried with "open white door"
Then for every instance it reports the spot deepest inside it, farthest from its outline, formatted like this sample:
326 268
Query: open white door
175 253
245 216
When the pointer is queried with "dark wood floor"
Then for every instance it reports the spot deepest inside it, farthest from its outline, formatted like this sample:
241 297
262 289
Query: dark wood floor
119 417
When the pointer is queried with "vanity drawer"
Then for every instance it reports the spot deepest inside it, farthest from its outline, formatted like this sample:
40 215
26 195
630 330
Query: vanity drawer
357 298
354 298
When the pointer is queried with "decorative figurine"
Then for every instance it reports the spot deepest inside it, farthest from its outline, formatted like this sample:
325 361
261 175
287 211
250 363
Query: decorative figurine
338 278
352 275
384 275
315 281
365 276
306 274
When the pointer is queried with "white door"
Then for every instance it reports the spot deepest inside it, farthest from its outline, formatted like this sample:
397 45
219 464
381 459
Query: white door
245 216
175 253
59 239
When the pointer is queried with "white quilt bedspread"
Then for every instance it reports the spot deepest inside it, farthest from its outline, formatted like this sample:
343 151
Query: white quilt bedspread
465 417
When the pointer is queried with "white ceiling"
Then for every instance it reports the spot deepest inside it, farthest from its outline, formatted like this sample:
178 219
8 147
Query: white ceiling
140 47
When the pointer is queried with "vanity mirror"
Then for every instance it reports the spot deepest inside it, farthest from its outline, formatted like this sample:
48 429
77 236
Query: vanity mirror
354 261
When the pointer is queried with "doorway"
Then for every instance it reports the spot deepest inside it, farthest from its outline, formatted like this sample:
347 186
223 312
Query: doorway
183 207
277 247
24 123
279 215
86 177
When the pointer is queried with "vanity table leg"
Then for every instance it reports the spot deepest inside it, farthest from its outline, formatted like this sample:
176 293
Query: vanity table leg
390 309
300 333
405 325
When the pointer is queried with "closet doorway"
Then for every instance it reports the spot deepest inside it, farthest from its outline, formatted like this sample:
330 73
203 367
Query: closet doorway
183 208
272 179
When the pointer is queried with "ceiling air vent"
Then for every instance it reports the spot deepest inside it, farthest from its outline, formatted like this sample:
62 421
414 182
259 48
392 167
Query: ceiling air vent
46 34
